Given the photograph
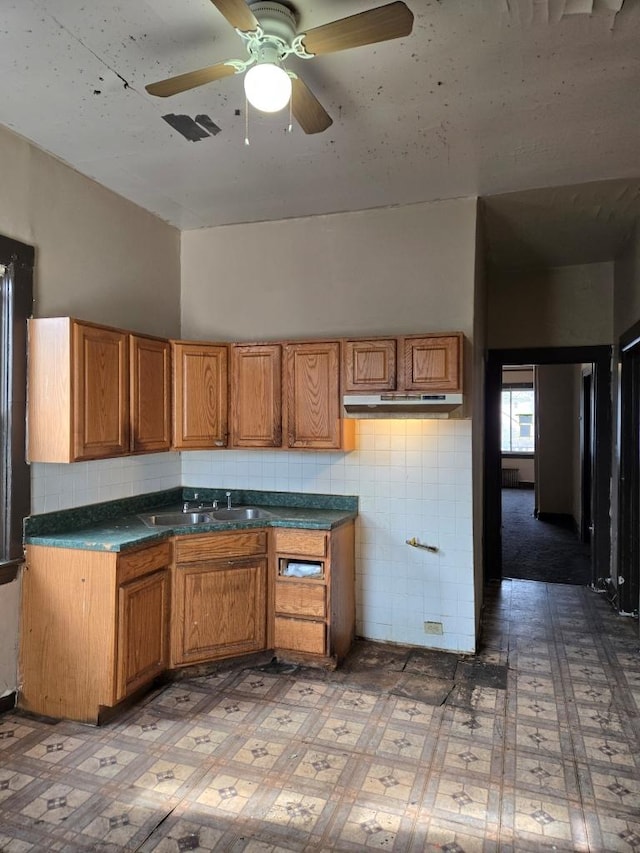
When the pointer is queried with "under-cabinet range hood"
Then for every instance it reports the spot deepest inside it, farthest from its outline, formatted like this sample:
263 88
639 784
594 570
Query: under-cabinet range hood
405 405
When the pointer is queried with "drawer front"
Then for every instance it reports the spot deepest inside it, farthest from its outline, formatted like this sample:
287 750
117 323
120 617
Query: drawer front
299 635
234 543
312 543
300 599
140 563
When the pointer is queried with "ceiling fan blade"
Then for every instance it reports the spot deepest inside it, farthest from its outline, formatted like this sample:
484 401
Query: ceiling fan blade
237 13
307 109
190 80
386 22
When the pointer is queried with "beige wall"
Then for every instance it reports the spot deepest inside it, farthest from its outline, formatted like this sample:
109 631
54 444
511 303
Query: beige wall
627 285
390 271
555 448
98 257
395 270
563 306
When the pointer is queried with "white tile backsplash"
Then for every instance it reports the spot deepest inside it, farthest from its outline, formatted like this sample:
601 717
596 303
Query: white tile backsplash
59 486
413 478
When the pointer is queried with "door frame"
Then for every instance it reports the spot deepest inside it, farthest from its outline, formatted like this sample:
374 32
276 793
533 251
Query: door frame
600 357
586 455
628 562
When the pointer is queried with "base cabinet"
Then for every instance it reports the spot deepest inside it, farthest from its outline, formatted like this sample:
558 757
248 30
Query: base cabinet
98 626
314 595
219 596
94 628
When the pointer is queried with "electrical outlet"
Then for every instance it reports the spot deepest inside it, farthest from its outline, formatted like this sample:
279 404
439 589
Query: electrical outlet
433 627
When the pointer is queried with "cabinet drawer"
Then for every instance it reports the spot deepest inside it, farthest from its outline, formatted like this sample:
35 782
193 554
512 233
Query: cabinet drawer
240 543
299 635
142 562
300 599
312 543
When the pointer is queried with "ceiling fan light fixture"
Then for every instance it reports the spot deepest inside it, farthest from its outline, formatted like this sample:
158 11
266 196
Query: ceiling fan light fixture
267 87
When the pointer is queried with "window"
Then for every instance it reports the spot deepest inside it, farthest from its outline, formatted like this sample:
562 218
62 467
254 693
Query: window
517 420
16 288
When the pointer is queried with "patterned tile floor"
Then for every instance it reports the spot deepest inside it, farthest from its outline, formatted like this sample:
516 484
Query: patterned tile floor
530 746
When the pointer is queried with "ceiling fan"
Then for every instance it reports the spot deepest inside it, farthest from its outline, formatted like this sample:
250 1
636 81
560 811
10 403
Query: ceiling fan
268 30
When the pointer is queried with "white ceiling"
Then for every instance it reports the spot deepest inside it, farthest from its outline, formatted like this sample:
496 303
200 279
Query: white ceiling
484 97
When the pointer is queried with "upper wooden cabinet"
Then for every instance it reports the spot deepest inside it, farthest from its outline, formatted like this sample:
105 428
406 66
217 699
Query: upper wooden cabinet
370 365
150 383
95 391
256 395
313 407
288 395
199 395
78 399
431 363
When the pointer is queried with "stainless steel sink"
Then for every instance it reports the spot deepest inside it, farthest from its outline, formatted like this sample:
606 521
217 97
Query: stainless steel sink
176 519
239 513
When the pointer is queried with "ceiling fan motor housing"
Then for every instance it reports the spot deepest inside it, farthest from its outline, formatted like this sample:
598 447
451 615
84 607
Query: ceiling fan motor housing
275 19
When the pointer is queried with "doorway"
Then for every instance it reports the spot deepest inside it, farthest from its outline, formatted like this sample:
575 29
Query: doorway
595 444
546 463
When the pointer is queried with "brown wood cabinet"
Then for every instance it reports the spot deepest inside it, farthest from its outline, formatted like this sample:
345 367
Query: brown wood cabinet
314 594
150 385
288 395
429 363
219 600
370 365
312 412
200 420
256 395
94 391
95 628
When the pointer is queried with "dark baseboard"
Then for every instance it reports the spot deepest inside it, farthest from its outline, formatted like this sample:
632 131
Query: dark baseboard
560 519
8 703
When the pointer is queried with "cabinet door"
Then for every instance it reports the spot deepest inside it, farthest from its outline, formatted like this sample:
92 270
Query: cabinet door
199 396
256 396
220 610
101 392
432 363
313 395
150 386
143 614
370 365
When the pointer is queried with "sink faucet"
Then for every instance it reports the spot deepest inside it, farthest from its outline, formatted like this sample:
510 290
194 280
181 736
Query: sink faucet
228 495
188 505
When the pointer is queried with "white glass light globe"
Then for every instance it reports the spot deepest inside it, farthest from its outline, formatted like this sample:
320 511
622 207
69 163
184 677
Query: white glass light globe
267 87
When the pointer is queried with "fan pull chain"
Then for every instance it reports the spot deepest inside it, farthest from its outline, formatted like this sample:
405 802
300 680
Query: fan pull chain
246 121
290 128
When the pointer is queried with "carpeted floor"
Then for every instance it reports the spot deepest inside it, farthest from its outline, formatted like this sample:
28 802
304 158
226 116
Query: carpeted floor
540 550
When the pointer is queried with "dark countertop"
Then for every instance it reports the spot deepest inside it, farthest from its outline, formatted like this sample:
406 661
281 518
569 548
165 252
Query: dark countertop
116 525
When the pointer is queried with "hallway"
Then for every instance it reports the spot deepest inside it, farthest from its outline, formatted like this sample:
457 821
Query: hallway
531 745
537 550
